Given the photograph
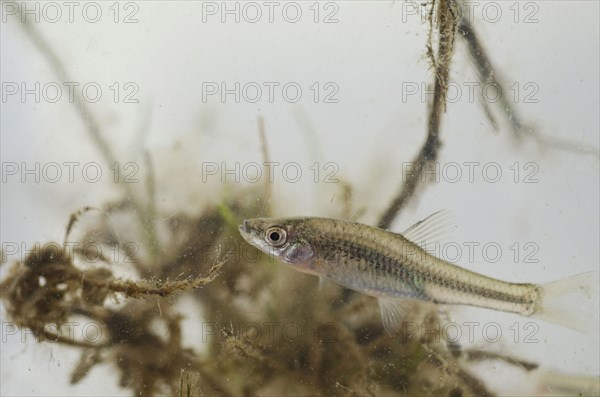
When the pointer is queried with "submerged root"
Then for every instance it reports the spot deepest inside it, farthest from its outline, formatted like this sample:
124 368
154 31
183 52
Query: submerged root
266 330
444 22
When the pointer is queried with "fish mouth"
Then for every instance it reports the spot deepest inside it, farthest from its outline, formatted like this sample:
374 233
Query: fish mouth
244 227
246 231
252 229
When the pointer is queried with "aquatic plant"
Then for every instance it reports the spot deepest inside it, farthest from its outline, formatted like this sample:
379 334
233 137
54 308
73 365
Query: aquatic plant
267 331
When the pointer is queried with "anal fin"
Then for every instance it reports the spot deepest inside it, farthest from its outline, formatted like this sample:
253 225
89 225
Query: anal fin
395 311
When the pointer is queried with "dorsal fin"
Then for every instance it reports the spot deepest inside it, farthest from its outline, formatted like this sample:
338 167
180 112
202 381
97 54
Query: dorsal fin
436 228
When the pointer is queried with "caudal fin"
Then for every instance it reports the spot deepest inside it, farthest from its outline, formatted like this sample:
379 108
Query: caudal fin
572 302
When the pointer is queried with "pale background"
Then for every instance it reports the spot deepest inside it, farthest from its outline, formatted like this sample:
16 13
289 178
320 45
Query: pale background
373 49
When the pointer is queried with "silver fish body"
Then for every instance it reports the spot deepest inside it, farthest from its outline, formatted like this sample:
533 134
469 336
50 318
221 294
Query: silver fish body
386 265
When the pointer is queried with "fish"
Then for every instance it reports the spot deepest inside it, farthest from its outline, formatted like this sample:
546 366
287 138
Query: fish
398 271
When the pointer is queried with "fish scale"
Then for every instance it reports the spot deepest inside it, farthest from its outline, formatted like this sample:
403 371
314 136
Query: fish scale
389 266
397 259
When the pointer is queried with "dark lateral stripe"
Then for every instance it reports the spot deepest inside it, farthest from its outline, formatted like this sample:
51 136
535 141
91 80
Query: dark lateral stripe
388 264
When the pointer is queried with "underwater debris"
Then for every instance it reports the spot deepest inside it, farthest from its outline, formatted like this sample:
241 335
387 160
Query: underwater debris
264 329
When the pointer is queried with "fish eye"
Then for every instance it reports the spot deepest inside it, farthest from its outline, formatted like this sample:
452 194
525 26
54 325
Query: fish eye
276 236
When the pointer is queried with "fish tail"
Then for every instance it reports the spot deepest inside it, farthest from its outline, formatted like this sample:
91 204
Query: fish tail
571 302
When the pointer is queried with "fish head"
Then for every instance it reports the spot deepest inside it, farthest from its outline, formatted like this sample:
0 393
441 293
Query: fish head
284 239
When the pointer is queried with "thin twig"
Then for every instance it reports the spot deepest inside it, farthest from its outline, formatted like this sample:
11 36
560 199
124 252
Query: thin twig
89 120
446 24
488 76
58 338
150 212
137 289
264 148
478 355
